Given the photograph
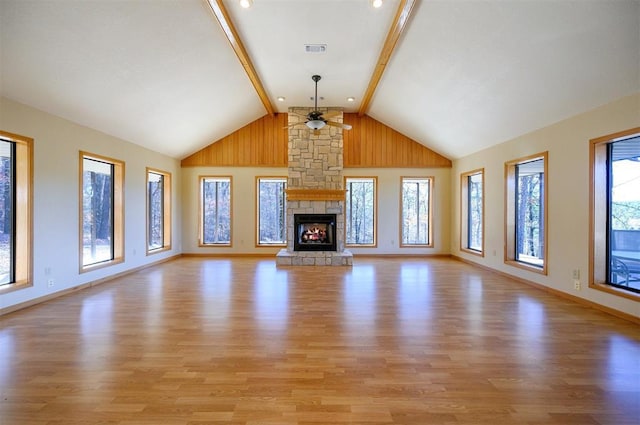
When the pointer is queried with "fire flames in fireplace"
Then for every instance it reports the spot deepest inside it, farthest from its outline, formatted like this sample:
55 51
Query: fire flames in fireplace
316 233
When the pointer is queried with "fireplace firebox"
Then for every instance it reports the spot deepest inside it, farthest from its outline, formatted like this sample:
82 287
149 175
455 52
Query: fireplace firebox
314 232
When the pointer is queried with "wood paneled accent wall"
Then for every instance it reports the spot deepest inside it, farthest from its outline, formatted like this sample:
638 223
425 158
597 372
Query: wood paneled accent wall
262 143
370 144
373 144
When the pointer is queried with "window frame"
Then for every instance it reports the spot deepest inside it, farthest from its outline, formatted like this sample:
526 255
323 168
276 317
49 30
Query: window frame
598 212
510 255
375 212
201 180
23 213
465 212
166 210
117 206
431 182
257 214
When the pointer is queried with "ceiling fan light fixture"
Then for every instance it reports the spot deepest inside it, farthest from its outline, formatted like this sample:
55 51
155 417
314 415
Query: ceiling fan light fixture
376 3
315 124
245 4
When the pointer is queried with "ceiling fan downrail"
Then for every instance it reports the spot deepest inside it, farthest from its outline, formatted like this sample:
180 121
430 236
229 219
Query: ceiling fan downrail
316 78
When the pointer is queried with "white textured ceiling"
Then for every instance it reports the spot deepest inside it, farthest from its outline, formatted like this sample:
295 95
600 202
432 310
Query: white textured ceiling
465 75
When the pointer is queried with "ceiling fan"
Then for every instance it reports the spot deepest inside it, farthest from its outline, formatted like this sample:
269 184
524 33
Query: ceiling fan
315 121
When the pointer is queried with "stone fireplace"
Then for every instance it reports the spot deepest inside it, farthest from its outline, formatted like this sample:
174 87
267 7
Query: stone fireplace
315 193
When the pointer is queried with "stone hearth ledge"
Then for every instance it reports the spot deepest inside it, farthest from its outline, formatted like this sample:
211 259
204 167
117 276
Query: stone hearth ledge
314 258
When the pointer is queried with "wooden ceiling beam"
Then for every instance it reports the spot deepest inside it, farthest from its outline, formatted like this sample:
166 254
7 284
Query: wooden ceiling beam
221 14
399 24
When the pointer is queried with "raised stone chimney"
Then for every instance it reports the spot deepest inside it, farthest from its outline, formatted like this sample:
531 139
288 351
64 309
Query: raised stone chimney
315 186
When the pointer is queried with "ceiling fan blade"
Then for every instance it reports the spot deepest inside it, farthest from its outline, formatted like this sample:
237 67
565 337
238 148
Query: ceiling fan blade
293 125
316 132
331 114
337 124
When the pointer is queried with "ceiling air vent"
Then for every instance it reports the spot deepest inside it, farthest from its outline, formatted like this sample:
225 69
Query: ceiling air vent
315 48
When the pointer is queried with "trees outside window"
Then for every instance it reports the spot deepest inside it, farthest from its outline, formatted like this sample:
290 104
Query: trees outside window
16 178
472 210
526 211
272 211
615 214
416 211
7 210
215 203
102 230
158 210
360 211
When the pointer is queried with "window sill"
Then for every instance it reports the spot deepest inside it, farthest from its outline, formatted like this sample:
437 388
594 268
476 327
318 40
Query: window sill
473 252
614 291
11 287
528 267
159 250
92 267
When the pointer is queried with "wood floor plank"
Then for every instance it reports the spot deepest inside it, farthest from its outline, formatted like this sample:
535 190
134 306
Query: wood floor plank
389 341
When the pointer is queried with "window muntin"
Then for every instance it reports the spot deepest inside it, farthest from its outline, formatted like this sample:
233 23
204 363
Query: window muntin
215 218
101 211
158 211
526 212
272 211
360 211
16 178
415 204
472 208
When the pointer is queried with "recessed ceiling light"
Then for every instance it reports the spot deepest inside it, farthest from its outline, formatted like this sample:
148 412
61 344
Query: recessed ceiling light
351 99
281 98
376 3
245 4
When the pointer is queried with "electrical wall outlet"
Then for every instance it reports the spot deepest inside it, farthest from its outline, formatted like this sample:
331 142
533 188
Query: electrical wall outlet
50 283
576 284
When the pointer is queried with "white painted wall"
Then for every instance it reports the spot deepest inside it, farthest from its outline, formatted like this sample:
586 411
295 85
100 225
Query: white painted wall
57 143
244 209
568 177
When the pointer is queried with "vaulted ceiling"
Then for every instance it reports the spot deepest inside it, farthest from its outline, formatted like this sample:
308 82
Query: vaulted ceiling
463 75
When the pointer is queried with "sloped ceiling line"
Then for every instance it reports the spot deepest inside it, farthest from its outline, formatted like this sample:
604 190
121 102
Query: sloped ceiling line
397 27
229 29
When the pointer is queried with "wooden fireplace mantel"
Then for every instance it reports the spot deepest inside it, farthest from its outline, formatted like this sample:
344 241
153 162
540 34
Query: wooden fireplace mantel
315 194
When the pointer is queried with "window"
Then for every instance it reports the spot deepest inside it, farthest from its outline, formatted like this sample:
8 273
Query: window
101 205
215 207
416 211
526 212
472 212
272 211
15 211
615 213
158 211
360 211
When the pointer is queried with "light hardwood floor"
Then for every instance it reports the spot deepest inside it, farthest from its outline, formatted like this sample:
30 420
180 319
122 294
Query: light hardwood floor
389 341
